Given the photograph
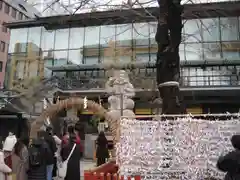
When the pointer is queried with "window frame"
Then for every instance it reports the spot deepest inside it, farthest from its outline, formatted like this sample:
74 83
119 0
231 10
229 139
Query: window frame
20 16
4 28
1 66
7 8
14 13
1 4
3 46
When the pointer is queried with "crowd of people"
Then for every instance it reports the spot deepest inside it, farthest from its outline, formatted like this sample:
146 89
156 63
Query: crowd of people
40 159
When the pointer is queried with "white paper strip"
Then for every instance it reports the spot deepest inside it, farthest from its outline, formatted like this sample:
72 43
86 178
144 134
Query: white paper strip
186 147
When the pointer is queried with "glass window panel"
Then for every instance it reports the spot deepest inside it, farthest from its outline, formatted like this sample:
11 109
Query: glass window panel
153 54
48 55
210 29
182 52
18 40
47 73
76 38
47 40
141 57
73 74
60 74
91 60
212 51
141 34
101 73
193 52
48 62
124 35
33 68
107 43
95 74
231 50
20 69
60 58
75 56
92 37
106 58
152 32
192 31
229 29
61 39
125 59
107 34
124 54
34 40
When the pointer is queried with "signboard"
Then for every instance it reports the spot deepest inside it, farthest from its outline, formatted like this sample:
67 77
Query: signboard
183 148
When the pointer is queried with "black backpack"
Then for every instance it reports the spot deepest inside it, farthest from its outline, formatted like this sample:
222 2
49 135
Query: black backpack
35 156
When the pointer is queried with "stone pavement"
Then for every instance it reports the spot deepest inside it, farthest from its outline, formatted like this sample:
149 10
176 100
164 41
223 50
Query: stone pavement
84 165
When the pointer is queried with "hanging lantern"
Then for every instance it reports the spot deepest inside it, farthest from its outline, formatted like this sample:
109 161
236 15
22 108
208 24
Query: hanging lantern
85 102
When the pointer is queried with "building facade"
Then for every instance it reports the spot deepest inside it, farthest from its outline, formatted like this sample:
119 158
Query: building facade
77 50
11 10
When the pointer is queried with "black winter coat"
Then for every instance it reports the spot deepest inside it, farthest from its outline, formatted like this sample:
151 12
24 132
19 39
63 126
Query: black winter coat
52 148
39 172
230 163
73 167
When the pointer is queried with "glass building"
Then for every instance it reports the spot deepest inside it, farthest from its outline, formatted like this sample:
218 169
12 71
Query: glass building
209 52
34 49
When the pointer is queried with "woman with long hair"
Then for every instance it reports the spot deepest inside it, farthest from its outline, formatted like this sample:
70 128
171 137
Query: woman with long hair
20 159
73 166
102 149
71 132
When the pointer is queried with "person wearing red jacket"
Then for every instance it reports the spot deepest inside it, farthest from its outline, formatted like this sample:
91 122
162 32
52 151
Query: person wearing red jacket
65 139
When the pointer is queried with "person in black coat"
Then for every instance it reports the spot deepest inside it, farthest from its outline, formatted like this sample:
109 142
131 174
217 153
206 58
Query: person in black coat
230 163
37 172
102 149
73 167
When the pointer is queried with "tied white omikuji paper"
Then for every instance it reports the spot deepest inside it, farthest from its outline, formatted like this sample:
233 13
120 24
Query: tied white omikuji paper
190 147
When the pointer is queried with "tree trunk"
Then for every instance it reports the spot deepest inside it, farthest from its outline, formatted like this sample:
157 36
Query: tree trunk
168 37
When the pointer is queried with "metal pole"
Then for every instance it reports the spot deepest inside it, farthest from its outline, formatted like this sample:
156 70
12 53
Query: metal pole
121 104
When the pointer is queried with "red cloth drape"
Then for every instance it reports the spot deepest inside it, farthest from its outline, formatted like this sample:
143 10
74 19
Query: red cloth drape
8 162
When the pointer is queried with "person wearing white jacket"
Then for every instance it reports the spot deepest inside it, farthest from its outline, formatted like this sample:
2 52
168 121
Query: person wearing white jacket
8 146
10 142
58 158
4 169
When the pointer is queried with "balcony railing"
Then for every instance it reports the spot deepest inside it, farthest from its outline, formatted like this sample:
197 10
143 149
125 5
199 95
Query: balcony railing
150 82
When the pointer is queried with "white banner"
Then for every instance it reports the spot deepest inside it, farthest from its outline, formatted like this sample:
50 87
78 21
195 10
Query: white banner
185 148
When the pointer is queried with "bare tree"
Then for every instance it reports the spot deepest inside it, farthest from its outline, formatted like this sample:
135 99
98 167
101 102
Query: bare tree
29 91
168 37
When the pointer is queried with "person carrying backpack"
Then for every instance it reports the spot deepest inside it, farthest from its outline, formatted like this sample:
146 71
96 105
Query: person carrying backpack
51 149
37 160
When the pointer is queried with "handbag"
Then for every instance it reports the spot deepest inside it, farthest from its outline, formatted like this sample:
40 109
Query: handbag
62 167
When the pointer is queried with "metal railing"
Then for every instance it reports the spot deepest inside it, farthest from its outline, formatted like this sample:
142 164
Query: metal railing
150 82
